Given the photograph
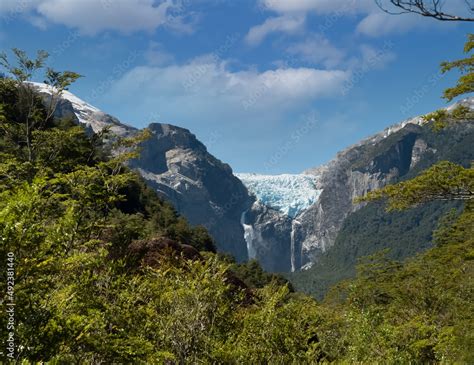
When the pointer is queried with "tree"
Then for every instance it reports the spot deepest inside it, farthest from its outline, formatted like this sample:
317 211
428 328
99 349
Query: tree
427 8
443 181
22 71
465 83
58 82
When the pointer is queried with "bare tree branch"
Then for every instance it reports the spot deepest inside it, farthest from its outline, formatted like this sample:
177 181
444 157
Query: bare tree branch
427 8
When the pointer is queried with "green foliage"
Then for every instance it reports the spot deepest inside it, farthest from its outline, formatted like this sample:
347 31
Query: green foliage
278 329
442 118
31 115
417 312
26 67
252 274
465 83
443 181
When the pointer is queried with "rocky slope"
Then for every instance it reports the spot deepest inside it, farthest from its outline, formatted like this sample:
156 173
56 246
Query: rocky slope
93 119
201 187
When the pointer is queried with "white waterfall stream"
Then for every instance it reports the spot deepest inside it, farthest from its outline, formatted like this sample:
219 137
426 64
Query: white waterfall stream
249 236
293 256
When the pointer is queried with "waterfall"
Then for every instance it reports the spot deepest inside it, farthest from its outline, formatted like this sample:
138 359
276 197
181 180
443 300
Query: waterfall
249 236
294 223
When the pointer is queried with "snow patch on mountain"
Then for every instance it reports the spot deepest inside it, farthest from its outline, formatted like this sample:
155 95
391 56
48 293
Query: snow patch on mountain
87 114
290 194
419 120
376 138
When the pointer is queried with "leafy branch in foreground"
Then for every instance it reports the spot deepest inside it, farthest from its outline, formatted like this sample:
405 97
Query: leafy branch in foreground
441 118
465 83
443 181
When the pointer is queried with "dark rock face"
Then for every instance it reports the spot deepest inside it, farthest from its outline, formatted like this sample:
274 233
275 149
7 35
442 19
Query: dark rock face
64 109
202 188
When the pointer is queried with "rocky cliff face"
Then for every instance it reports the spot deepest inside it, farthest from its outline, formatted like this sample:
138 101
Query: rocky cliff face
266 234
201 187
353 173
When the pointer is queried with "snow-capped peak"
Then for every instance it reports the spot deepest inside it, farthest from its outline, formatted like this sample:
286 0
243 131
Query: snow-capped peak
87 114
467 102
76 102
291 194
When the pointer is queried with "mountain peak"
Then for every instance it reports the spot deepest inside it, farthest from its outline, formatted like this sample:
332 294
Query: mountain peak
88 115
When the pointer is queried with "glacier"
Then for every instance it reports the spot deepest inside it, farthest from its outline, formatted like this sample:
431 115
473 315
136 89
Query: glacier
290 194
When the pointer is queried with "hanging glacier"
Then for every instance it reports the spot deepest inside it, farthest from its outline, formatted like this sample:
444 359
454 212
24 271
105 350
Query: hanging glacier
290 194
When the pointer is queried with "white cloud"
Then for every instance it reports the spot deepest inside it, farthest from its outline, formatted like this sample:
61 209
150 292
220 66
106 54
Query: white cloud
376 58
206 87
293 13
319 6
381 24
94 16
374 22
17 7
317 50
286 24
157 55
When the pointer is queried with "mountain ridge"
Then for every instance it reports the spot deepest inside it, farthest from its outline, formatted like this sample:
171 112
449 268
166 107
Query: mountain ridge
283 233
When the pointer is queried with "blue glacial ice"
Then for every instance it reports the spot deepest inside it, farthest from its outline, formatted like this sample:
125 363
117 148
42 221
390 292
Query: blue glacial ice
290 194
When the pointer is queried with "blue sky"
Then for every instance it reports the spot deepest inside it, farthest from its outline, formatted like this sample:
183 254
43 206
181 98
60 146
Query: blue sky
270 86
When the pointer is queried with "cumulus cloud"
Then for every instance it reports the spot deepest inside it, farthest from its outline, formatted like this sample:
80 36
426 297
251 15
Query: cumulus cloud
380 24
292 14
376 58
286 24
205 87
207 77
317 50
373 21
319 6
93 16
